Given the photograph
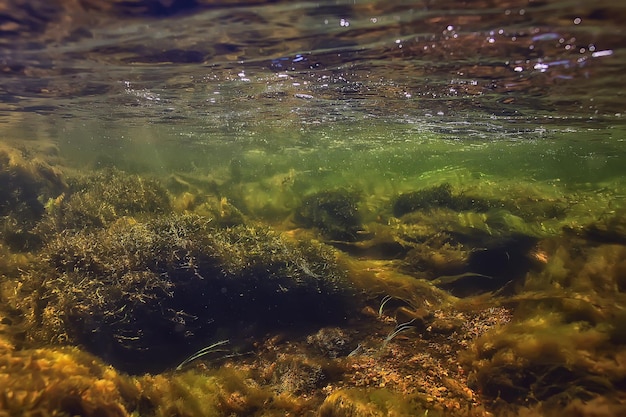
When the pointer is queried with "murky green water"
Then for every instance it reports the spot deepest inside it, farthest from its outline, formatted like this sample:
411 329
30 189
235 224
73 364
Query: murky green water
175 174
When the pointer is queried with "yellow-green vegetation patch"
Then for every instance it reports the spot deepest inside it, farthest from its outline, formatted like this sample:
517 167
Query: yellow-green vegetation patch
62 382
566 338
371 402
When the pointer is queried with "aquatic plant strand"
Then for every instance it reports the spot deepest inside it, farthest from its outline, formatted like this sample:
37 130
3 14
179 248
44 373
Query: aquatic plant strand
202 352
400 328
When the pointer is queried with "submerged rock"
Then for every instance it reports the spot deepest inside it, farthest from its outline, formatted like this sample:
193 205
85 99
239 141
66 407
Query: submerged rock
134 292
335 213
535 215
438 196
462 254
544 359
331 342
565 341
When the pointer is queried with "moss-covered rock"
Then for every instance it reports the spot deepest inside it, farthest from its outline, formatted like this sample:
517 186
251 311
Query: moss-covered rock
135 291
524 207
332 342
438 196
335 213
607 229
70 382
462 253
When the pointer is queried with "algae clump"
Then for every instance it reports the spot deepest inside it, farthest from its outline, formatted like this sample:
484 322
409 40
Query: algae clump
371 402
564 342
25 183
334 212
103 197
133 291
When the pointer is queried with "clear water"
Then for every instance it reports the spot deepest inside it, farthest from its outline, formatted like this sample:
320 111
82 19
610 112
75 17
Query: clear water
528 88
340 90
506 100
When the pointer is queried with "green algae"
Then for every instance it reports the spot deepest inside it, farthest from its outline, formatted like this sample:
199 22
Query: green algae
115 272
335 213
560 345
118 290
98 199
63 382
437 196
70 382
374 402
26 182
514 206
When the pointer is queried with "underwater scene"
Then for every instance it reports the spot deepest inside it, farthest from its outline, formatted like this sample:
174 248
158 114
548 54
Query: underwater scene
312 208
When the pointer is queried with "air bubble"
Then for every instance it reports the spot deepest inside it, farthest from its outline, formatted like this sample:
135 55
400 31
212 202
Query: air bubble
606 52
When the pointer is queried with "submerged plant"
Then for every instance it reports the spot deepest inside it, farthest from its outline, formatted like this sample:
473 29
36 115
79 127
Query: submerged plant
103 197
117 290
203 352
335 213
400 328
384 301
25 181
